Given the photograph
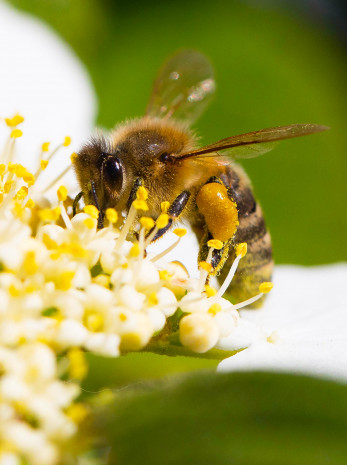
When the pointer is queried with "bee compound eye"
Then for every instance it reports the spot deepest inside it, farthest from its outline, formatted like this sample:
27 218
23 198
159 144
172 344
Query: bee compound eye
113 172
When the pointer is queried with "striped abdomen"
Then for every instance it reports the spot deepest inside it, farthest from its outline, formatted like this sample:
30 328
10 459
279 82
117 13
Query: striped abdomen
256 266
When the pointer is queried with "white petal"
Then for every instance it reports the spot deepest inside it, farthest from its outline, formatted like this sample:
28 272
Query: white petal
308 310
42 79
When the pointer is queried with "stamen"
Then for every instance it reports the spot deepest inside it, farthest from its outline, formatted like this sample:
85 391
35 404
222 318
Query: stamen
55 180
203 272
126 227
264 288
62 196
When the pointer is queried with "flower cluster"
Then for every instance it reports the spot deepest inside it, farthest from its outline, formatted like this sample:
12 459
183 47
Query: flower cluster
67 287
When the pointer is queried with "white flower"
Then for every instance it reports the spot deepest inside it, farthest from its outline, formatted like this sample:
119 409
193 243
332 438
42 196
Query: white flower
302 327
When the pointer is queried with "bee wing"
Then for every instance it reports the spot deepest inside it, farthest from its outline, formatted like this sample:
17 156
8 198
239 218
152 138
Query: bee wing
254 143
183 87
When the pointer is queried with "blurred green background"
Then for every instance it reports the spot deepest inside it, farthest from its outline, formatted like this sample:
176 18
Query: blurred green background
276 64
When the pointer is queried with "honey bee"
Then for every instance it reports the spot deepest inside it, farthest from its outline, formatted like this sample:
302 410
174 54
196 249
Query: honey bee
203 184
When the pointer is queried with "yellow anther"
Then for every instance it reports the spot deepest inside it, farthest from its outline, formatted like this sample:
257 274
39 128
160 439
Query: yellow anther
29 178
92 211
12 122
30 204
266 287
12 167
22 193
64 281
43 164
30 265
122 317
142 193
7 186
2 169
206 266
1 198
90 223
147 222
67 141
13 290
73 248
164 275
48 214
102 280
140 205
94 321
73 157
78 367
111 215
49 243
45 146
18 169
77 412
165 206
214 309
215 243
162 221
180 232
153 299
16 133
241 249
18 210
135 250
210 291
62 193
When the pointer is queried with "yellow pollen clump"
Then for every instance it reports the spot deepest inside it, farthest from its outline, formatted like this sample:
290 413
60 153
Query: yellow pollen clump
64 281
140 205
7 186
266 287
22 193
77 412
206 266
30 265
62 193
90 223
142 193
78 367
135 250
147 222
45 146
92 211
49 214
67 141
162 221
49 243
94 321
165 275
43 164
13 290
153 299
2 169
241 249
111 215
73 157
214 309
30 204
16 133
180 232
73 248
122 317
14 121
215 243
29 178
210 291
165 206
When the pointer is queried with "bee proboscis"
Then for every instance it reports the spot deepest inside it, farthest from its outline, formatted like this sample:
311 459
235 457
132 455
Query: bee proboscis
202 184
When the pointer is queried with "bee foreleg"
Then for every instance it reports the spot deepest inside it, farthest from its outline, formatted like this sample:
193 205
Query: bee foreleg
174 212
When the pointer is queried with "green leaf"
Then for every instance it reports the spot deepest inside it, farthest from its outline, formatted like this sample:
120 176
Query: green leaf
137 367
227 419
